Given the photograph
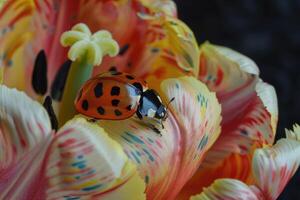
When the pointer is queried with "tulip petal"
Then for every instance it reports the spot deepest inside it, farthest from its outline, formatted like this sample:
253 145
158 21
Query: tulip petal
166 162
85 162
151 153
274 166
150 44
268 96
30 26
197 112
249 112
167 7
25 133
155 48
227 189
174 54
15 19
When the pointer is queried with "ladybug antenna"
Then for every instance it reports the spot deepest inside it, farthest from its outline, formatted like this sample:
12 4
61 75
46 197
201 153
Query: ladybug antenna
167 108
170 102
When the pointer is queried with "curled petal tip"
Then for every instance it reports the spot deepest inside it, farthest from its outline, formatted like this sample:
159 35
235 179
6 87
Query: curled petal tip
293 134
84 45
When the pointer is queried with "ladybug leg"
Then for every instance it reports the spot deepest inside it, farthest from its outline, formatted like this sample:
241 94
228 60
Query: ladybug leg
92 120
139 115
156 130
162 125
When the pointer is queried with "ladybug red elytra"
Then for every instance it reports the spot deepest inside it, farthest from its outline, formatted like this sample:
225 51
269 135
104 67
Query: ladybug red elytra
115 96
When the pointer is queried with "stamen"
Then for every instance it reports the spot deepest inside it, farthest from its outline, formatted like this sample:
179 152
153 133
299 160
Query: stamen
53 119
39 75
86 51
59 82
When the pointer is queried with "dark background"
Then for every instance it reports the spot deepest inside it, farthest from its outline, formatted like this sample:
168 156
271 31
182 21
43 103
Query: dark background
268 31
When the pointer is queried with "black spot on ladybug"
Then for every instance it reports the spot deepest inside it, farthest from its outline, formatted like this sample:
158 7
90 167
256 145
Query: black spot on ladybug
113 69
117 112
101 110
115 91
124 49
129 107
129 77
129 64
115 102
115 73
85 105
138 86
98 90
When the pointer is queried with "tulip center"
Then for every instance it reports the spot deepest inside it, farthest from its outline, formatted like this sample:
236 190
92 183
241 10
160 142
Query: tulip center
86 51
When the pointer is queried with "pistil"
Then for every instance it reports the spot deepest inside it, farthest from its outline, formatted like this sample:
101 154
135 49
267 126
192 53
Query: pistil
86 51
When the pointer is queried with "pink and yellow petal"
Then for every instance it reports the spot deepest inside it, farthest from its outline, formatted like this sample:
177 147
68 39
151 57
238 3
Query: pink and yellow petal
25 134
228 189
165 161
197 112
274 166
224 70
177 53
249 112
83 161
268 96
166 7
153 154
159 47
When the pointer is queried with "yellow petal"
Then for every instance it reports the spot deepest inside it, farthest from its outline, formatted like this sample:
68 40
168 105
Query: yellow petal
167 162
249 111
16 14
167 7
176 54
85 161
227 189
268 96
223 69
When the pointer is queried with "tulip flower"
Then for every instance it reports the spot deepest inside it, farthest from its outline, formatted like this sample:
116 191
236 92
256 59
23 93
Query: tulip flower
217 142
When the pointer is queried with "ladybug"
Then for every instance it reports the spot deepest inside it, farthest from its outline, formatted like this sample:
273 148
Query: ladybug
115 95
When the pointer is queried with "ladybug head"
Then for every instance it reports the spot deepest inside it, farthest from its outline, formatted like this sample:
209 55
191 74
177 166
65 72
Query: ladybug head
151 105
161 112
